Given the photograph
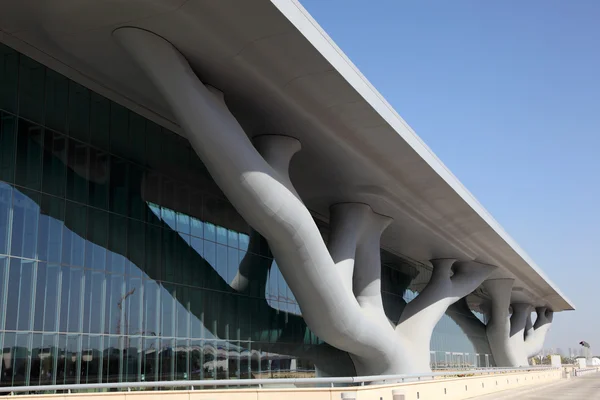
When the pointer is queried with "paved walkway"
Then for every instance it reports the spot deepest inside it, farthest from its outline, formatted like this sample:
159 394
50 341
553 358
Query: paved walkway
582 388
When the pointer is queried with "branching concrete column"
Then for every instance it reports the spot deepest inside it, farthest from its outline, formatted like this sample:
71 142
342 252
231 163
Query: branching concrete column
444 288
338 288
535 336
521 312
512 339
498 327
461 313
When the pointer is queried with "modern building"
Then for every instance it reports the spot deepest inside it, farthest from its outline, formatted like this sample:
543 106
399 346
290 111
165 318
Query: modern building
143 236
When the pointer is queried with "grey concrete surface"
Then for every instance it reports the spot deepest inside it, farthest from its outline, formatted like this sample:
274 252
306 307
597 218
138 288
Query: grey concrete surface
582 388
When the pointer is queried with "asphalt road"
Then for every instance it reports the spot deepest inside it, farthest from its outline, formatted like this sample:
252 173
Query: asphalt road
582 388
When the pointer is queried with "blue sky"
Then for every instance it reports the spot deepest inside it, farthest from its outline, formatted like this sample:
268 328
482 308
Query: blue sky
507 94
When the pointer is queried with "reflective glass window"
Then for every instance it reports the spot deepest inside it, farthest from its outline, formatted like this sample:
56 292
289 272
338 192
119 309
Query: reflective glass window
31 89
117 244
9 78
50 227
74 230
54 177
115 296
136 247
137 205
8 140
51 296
56 101
119 130
93 301
96 239
79 112
99 121
29 155
6 192
99 178
119 186
77 171
25 223
4 266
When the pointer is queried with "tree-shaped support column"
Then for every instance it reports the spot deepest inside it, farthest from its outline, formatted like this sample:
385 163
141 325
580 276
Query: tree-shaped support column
338 287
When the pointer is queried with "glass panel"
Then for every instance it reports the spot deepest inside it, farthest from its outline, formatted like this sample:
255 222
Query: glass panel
137 206
25 223
183 312
52 215
119 187
167 310
151 319
65 285
93 301
77 173
174 147
52 299
12 296
221 266
136 241
22 358
4 265
75 301
9 73
79 112
210 255
8 140
74 231
113 359
115 295
170 255
117 244
99 121
153 250
48 358
40 297
72 359
196 225
57 100
137 138
54 168
98 175
97 239
154 154
19 300
232 264
198 266
119 130
132 305
150 359
181 360
132 359
167 364
29 155
5 216
91 359
196 314
196 360
31 89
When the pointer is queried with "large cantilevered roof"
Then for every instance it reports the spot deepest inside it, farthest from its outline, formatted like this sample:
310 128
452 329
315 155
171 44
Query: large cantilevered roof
281 73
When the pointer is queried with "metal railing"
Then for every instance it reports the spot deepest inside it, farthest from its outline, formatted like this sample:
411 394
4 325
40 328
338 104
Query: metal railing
261 383
585 371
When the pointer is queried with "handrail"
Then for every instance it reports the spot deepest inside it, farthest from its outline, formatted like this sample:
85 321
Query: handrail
191 384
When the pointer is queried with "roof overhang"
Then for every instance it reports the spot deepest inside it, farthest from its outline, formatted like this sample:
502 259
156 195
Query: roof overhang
281 73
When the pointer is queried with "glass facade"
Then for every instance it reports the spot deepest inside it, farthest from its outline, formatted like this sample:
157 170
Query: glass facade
118 253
